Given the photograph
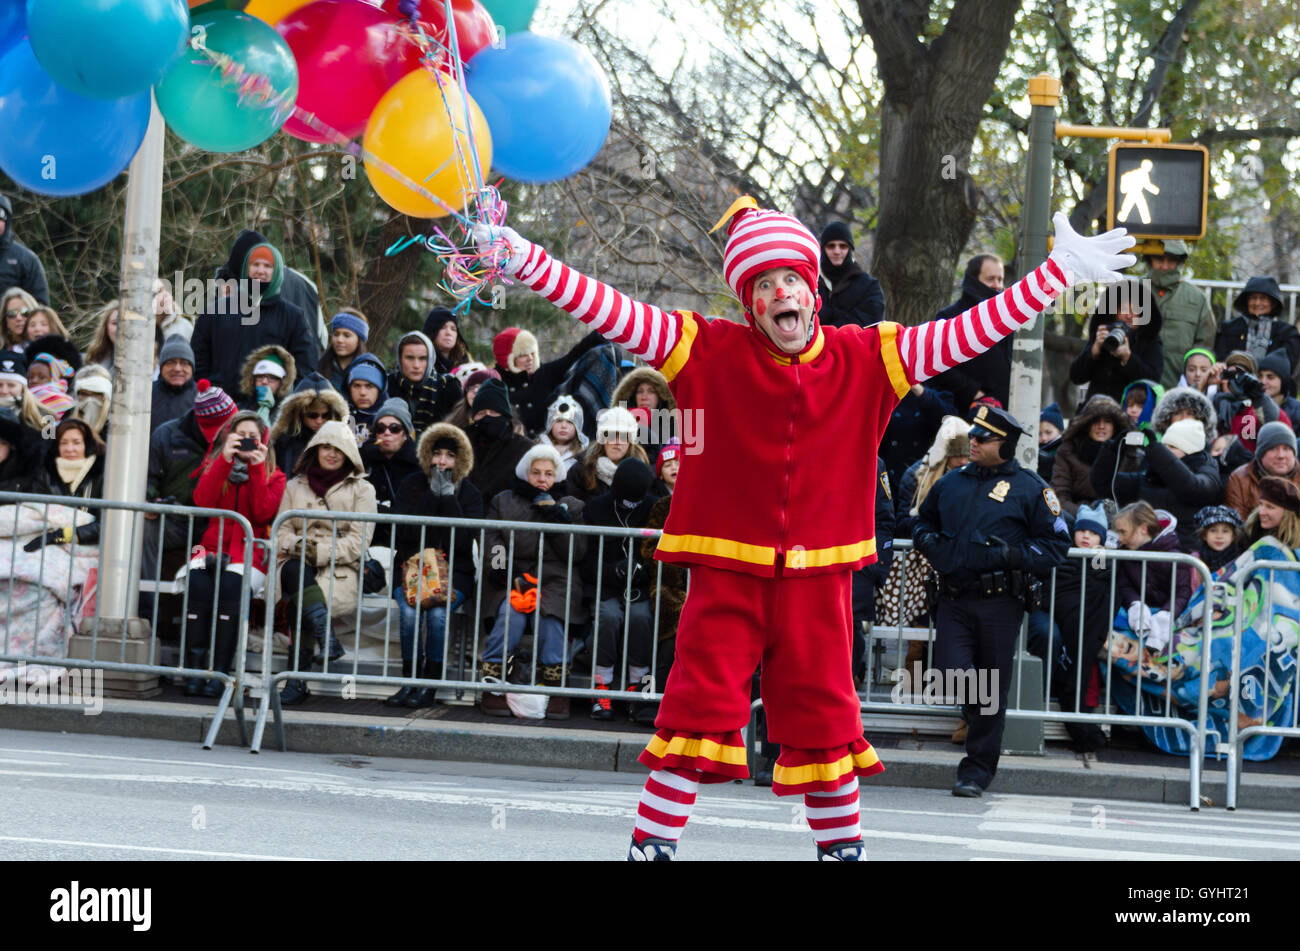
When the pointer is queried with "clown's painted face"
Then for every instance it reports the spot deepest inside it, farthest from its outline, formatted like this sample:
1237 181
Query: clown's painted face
783 308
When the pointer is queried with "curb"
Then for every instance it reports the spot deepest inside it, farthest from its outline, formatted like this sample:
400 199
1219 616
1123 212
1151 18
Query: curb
424 738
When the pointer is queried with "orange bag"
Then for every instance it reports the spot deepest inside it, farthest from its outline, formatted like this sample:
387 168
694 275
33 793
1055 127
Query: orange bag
525 602
424 579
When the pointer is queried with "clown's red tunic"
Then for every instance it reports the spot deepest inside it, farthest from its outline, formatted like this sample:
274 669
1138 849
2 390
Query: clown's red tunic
778 485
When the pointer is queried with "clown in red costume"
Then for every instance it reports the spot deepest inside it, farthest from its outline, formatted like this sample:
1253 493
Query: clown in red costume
771 562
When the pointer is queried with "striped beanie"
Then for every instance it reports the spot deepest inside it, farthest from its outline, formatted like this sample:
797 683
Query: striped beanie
759 240
54 397
212 407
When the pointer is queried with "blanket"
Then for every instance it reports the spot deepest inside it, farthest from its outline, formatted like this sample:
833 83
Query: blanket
1270 634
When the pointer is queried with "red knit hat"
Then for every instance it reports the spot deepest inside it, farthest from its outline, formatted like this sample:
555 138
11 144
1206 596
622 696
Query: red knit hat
262 253
672 450
502 344
212 407
759 240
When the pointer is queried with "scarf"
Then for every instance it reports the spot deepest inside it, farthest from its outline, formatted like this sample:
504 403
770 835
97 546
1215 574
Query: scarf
322 480
74 471
605 467
1259 331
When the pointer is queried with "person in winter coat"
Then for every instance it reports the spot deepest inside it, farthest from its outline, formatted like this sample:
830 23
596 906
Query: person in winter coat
1183 402
15 306
1275 455
497 447
1051 427
1279 386
564 432
463 413
510 598
75 468
1100 420
1111 359
1188 319
19 265
531 383
644 392
175 389
1258 327
440 489
622 594
103 348
389 455
668 464
443 328
322 562
266 380
1139 400
1242 409
298 289
1153 593
349 331
22 463
92 390
912 428
430 393
950 450
249 483
14 393
1198 371
225 337
1220 535
1180 476
616 439
1277 514
52 363
989 374
849 294
366 391
313 403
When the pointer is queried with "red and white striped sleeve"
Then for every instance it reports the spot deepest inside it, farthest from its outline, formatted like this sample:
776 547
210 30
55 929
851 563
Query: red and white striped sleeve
940 345
642 329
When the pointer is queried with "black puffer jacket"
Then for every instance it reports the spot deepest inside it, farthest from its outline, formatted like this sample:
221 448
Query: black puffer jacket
19 265
1106 374
386 473
531 394
1179 486
850 297
1234 333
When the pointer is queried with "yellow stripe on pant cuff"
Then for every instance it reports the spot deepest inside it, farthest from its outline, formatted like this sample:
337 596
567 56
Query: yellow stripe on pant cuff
824 772
691 747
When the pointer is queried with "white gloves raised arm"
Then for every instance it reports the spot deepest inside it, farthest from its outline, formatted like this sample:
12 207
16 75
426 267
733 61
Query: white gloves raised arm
503 240
1099 258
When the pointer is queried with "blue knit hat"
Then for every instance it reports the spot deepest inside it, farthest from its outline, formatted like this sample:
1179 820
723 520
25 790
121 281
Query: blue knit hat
1091 519
1052 414
371 371
1218 514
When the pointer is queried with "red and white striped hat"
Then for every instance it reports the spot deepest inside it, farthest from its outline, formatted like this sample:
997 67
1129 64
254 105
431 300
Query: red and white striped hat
759 240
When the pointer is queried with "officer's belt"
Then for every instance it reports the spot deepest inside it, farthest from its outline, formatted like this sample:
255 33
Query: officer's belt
991 584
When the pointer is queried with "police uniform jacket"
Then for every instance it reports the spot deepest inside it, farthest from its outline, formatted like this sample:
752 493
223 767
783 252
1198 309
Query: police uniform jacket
971 505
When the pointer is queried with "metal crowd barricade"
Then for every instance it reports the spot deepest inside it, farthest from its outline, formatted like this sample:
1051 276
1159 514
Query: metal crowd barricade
1289 659
69 599
1195 730
352 675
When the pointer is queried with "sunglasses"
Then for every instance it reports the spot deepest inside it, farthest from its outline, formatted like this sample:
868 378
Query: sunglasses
975 438
17 313
393 428
319 415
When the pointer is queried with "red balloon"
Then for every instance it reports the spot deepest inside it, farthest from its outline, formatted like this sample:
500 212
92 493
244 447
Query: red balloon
349 54
475 27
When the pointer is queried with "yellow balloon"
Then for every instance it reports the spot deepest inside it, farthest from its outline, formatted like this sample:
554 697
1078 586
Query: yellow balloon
273 11
412 130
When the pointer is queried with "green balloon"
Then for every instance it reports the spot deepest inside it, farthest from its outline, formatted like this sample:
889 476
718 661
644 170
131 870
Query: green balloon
513 16
205 110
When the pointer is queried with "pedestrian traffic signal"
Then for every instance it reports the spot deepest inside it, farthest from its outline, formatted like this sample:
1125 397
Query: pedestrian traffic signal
1158 191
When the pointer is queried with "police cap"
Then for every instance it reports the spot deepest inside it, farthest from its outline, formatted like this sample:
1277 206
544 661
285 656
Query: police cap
991 423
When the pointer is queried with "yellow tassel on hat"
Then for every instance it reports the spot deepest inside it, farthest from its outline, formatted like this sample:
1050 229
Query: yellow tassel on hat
744 201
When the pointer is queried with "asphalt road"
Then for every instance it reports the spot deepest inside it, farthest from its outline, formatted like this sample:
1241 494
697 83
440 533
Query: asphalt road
72 797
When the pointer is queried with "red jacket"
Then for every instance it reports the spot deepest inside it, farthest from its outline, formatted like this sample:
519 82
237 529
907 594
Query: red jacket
257 500
785 454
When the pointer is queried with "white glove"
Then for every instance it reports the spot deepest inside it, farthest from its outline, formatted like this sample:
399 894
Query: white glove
501 238
1098 258
1139 618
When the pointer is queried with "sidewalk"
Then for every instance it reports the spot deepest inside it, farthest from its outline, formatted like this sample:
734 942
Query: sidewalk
1124 770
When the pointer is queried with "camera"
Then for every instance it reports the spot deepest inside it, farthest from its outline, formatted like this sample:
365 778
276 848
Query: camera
1247 384
247 444
1116 335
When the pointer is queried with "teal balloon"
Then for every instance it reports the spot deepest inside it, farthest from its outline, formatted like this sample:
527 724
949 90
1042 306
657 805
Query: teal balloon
57 142
205 111
107 49
513 16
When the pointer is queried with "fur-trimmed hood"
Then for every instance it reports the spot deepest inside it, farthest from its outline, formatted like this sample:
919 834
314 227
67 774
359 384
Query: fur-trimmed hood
625 393
464 455
1186 398
290 420
249 389
1098 408
336 434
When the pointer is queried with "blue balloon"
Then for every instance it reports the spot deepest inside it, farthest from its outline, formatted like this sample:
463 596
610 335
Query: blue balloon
13 23
547 103
56 142
107 49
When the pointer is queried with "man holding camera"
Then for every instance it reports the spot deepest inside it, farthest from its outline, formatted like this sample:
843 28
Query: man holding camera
991 529
1124 336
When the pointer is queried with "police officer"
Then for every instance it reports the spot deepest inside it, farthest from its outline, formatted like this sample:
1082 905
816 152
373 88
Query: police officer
991 529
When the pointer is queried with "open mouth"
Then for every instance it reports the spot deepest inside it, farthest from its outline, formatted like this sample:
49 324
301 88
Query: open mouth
786 318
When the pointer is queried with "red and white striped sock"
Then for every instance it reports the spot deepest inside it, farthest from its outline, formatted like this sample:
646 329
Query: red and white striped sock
833 816
666 803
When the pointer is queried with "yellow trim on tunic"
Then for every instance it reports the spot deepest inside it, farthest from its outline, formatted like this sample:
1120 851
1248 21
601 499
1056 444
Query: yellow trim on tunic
893 358
824 772
836 555
808 356
718 548
697 746
681 351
